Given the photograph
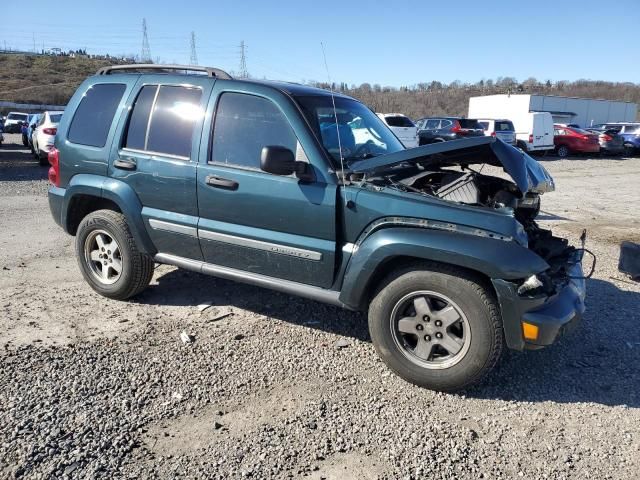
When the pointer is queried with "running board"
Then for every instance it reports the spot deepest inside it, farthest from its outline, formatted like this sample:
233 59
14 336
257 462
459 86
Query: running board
286 286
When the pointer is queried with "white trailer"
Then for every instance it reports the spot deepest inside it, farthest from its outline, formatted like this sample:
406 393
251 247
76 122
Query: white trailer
534 130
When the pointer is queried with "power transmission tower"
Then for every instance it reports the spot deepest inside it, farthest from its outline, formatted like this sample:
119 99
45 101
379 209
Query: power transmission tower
194 55
243 61
145 55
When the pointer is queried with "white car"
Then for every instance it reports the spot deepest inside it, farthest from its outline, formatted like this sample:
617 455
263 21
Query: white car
14 121
402 127
499 128
44 135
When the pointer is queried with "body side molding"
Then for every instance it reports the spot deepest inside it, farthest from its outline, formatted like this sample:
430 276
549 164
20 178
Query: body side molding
286 286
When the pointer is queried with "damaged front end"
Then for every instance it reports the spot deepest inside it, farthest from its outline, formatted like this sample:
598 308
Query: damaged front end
536 309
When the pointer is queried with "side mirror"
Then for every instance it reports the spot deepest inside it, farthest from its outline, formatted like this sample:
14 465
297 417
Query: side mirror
281 161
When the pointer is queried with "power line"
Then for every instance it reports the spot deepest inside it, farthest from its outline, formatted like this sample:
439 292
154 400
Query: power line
146 49
194 54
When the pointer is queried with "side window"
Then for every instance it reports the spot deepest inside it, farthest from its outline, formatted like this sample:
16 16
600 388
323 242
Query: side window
174 115
163 120
446 124
432 124
92 119
244 124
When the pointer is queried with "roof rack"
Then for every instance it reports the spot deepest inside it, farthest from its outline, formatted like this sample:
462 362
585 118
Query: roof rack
210 71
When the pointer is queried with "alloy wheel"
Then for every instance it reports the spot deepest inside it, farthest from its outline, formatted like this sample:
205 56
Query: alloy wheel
102 255
430 329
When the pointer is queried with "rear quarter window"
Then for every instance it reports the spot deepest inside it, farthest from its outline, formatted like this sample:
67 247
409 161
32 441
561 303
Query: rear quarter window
94 115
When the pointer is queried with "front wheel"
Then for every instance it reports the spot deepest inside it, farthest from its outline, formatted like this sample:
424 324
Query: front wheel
109 258
437 327
629 150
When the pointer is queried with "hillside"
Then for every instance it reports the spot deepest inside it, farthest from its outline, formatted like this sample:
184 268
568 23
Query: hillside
53 79
44 79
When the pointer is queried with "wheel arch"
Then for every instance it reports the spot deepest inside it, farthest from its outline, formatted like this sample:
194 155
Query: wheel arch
87 193
397 247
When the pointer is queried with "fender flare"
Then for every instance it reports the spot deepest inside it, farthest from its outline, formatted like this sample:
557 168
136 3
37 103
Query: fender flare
119 193
494 258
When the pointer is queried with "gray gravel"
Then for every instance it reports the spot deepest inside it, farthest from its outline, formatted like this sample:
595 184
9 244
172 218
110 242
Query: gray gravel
274 386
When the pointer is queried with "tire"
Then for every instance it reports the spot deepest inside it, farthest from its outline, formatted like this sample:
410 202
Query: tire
478 330
25 141
629 150
563 151
44 161
102 227
522 146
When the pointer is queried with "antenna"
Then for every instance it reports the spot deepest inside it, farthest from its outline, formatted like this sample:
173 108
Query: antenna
335 115
194 56
243 61
145 55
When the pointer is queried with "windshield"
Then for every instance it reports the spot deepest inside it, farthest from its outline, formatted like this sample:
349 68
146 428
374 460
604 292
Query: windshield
361 133
17 116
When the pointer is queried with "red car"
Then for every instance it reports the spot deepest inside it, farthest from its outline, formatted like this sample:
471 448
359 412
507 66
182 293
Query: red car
574 140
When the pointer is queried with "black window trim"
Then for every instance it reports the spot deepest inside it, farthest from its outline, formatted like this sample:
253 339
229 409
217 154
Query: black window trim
153 153
246 168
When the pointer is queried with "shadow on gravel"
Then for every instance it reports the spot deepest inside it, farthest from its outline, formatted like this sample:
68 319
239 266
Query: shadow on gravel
597 363
184 288
18 164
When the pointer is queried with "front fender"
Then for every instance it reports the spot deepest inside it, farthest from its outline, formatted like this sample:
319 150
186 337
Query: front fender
492 257
119 193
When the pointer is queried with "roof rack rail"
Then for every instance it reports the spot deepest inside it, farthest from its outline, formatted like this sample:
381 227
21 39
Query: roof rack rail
210 71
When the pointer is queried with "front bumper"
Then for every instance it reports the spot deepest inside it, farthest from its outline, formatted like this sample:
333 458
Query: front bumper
554 316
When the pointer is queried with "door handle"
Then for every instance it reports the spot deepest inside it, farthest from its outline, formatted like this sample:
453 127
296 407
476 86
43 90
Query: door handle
219 182
125 164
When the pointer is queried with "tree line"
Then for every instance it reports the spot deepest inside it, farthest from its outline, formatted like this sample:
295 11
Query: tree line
438 98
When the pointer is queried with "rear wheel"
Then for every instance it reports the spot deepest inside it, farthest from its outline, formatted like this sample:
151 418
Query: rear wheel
563 151
43 160
109 258
436 327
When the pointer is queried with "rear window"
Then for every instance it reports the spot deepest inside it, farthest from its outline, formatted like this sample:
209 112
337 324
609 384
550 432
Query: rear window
469 123
398 121
55 118
484 125
17 116
504 127
93 117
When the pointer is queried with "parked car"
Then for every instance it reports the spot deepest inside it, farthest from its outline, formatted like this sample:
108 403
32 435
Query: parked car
26 128
402 127
44 135
611 142
500 128
14 122
448 262
442 129
570 140
630 133
32 127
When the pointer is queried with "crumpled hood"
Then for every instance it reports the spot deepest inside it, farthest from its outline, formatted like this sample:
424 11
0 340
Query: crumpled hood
527 173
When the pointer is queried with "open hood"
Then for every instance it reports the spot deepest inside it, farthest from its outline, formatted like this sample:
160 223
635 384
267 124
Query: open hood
526 172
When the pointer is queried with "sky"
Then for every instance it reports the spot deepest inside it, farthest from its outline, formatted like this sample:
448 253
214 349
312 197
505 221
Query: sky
395 43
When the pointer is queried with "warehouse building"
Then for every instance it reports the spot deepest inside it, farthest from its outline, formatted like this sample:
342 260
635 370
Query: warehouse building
582 111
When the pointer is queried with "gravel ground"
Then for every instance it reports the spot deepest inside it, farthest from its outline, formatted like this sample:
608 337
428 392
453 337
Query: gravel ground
280 387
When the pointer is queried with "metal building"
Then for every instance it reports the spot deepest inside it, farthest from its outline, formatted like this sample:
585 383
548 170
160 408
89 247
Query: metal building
582 111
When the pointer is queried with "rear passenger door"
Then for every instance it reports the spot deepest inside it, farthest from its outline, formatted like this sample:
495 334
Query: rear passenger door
255 221
156 155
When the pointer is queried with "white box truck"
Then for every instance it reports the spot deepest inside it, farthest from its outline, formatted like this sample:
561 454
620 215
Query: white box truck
534 130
